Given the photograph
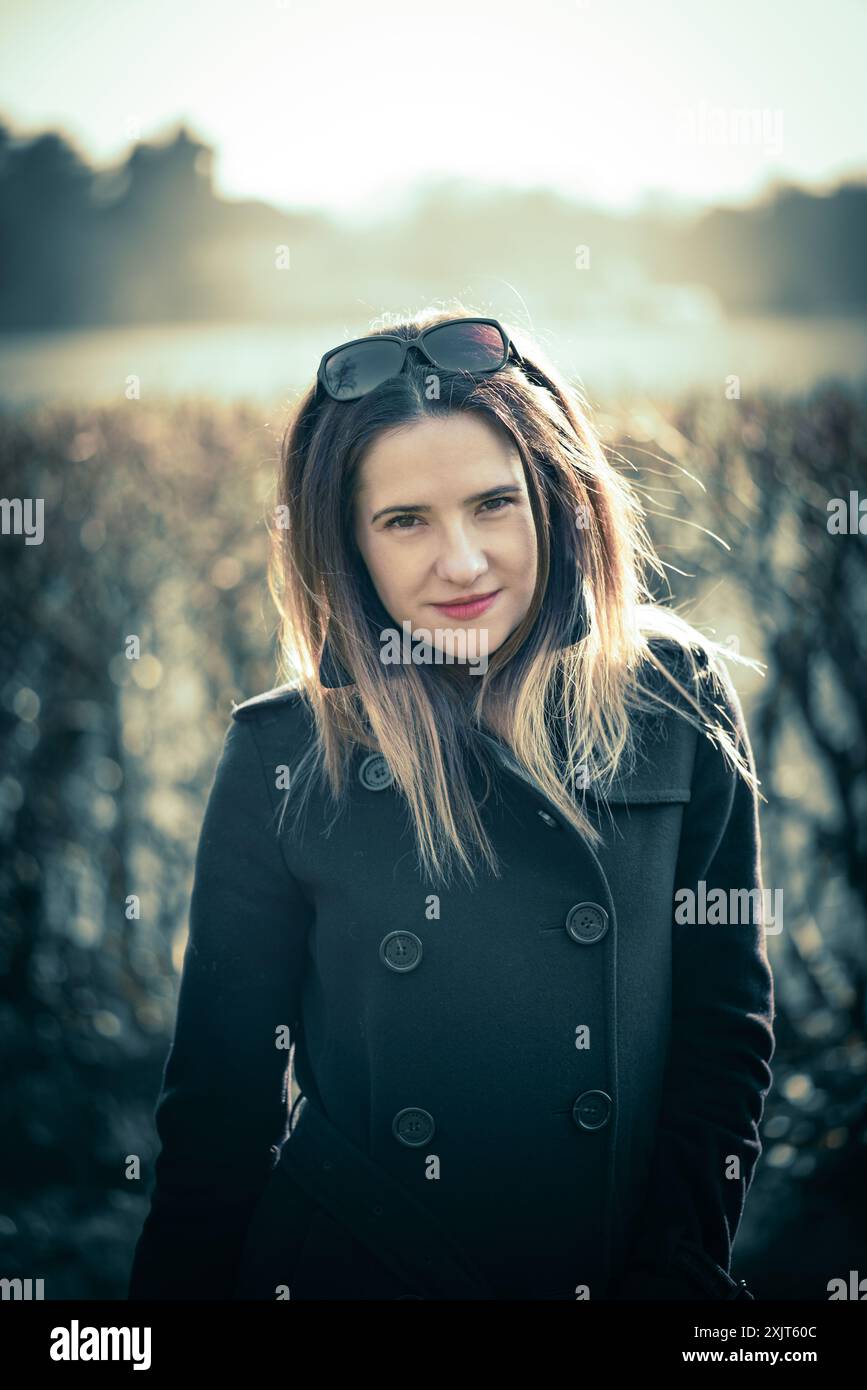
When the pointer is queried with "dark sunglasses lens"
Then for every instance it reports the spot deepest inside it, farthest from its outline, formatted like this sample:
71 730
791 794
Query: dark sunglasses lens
469 347
353 371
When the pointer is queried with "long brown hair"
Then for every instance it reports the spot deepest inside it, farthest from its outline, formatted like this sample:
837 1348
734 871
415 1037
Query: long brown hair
565 710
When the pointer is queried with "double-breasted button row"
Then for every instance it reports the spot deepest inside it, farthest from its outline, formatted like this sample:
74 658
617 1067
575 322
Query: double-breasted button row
586 923
414 1127
375 775
401 951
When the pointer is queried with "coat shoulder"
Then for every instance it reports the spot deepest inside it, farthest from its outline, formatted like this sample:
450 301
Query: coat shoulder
695 667
675 656
704 672
270 704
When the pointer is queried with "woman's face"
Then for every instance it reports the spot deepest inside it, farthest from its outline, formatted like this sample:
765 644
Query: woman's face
428 537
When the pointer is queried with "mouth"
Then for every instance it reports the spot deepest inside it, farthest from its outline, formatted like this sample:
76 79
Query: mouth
468 608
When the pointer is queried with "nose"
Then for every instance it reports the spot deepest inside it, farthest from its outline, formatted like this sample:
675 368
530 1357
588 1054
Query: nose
461 559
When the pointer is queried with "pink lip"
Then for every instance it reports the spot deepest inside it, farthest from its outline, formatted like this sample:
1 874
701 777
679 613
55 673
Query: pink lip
467 610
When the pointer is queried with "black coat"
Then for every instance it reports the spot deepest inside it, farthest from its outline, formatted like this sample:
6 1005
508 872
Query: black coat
544 1088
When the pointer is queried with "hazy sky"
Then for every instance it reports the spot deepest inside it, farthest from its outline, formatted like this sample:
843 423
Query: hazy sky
345 104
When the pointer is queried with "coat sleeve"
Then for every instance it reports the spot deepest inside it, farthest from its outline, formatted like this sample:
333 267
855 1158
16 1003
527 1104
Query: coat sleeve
718 1069
222 1110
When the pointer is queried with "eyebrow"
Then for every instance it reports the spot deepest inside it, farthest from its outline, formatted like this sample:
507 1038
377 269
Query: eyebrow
425 507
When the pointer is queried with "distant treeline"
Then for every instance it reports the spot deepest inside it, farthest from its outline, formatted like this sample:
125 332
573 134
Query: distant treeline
149 242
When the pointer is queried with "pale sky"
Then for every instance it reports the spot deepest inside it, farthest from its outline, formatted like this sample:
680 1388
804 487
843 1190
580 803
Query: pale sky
344 105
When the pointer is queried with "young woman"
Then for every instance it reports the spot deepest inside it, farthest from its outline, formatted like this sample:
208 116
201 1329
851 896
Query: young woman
453 875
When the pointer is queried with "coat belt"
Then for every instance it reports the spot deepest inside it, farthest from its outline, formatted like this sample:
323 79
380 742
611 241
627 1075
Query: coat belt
381 1213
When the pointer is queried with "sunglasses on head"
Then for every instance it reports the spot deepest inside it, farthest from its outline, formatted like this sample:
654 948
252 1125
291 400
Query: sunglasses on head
456 345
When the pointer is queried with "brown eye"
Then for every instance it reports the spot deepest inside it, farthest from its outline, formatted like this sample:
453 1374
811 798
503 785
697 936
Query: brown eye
489 503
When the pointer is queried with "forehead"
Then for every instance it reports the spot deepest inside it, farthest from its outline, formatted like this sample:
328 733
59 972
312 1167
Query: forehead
442 449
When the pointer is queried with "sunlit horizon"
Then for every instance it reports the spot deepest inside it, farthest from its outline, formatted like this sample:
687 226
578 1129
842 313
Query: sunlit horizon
351 111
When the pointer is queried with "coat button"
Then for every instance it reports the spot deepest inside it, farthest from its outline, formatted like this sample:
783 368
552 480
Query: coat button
549 820
412 1126
587 923
375 773
400 950
592 1110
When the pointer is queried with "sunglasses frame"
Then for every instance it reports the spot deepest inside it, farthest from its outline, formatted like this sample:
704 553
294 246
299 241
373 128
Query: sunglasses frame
418 342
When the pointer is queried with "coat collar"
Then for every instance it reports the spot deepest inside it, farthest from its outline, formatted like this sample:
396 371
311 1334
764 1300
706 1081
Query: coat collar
663 771
659 776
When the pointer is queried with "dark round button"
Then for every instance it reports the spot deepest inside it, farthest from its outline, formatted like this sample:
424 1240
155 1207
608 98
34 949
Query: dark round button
400 950
412 1126
549 820
587 923
375 773
592 1110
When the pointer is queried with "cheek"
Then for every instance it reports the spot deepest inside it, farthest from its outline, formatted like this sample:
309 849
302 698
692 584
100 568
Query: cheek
524 551
390 566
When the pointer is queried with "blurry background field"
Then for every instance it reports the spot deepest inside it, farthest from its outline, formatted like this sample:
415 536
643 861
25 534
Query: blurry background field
682 226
